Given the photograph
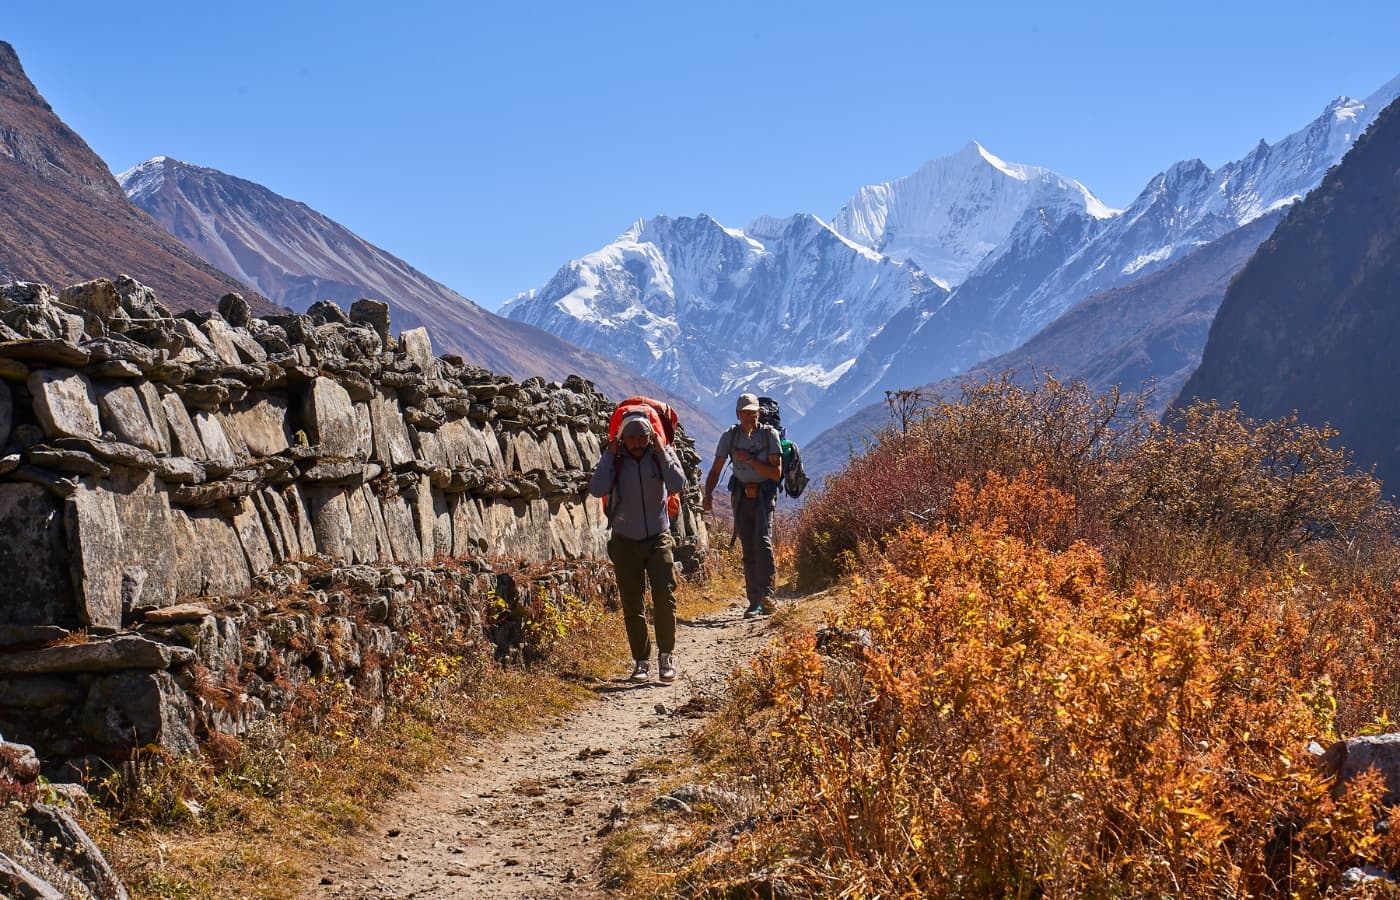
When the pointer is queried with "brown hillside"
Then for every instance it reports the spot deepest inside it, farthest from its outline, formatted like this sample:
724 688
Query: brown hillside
64 218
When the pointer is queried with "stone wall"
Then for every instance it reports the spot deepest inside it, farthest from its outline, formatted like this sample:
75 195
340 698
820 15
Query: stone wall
150 459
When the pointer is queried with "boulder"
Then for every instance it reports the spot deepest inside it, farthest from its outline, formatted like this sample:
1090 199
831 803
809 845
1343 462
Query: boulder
375 314
260 423
71 847
330 521
124 413
99 304
123 651
34 556
136 709
215 441
1348 758
328 416
232 346
211 560
184 437
7 413
65 403
235 310
196 346
392 444
17 881
256 548
295 503
418 350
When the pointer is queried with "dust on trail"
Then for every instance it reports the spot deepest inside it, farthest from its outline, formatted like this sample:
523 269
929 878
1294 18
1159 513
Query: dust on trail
526 816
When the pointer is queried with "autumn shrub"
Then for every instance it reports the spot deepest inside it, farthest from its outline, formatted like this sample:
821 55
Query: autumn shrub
1210 486
1023 728
1208 492
1064 431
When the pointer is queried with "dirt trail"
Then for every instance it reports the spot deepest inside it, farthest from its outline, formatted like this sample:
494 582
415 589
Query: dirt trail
526 816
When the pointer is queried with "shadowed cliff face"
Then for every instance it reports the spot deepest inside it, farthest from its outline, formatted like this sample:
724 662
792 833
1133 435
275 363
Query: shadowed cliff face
1312 322
64 218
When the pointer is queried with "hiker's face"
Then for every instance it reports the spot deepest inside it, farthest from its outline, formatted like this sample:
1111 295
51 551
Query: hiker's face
637 444
749 419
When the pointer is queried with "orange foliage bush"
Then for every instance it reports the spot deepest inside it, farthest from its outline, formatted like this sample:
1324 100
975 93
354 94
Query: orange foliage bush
1094 652
1023 729
1209 492
1063 431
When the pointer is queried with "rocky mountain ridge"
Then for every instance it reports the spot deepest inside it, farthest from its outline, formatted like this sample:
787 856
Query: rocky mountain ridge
777 308
1056 257
1019 245
298 256
947 216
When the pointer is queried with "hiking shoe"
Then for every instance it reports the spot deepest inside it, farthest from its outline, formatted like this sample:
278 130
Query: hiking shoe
754 610
641 673
667 666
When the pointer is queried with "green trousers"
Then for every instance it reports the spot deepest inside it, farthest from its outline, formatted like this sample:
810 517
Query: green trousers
635 562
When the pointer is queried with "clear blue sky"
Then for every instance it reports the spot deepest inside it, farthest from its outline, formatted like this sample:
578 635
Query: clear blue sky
488 144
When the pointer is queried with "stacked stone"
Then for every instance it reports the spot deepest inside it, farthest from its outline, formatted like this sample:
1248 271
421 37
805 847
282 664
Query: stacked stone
147 458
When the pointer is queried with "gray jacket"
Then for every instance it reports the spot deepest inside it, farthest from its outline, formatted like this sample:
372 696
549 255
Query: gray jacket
638 490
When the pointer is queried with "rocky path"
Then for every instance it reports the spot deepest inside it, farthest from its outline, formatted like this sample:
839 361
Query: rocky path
526 817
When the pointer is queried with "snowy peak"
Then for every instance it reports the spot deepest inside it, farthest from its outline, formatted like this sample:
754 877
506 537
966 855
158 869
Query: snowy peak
782 307
955 210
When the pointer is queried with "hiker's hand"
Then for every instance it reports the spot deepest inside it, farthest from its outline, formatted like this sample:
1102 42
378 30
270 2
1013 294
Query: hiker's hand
742 456
614 446
708 504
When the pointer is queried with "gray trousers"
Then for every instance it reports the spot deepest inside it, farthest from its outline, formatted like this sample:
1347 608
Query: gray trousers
753 523
634 563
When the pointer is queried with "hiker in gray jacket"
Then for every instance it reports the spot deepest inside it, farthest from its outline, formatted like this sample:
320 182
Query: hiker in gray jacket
635 474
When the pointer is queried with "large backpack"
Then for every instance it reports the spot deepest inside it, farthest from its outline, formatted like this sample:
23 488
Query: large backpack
664 422
794 476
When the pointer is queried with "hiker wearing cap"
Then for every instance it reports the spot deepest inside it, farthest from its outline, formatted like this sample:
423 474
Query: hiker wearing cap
756 452
635 474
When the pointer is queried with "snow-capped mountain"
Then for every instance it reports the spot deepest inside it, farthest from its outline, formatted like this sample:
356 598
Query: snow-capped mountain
782 307
954 210
296 256
1054 257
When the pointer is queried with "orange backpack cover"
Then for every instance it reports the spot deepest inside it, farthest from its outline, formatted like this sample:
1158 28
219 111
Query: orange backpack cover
664 422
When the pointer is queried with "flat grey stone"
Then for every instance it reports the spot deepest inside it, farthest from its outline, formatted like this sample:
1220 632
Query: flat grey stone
72 462
336 472
124 651
17 881
65 403
328 416
184 437
136 708
124 414
260 424
179 470
46 351
217 447
30 635
392 445
200 496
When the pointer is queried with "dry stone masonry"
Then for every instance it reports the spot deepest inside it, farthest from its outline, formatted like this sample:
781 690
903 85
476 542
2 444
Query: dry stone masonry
202 512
